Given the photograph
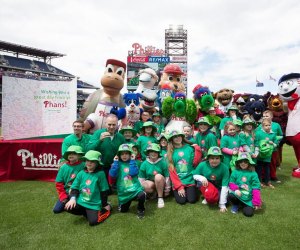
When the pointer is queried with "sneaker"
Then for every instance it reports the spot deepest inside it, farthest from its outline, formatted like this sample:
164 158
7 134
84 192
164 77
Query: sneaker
204 202
160 203
234 209
276 180
140 214
270 185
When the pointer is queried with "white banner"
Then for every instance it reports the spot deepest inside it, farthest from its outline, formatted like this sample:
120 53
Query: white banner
32 108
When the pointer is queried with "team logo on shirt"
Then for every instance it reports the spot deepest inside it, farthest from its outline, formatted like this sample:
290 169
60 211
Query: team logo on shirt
213 177
126 170
88 182
181 154
73 176
244 179
267 138
234 142
202 142
182 164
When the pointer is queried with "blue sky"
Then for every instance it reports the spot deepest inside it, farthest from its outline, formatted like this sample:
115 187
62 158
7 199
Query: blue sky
230 43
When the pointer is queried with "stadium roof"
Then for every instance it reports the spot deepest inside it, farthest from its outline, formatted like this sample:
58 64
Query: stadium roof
28 51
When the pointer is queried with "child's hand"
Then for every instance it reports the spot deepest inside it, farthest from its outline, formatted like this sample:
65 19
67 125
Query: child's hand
238 193
181 192
223 209
254 156
70 204
235 152
257 207
116 158
132 156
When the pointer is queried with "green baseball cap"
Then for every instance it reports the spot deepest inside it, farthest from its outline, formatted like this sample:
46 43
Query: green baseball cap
125 148
128 128
73 149
214 151
173 133
244 156
203 120
152 147
149 124
92 155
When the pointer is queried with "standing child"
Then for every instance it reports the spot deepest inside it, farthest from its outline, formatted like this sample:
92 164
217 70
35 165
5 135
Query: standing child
66 175
267 141
230 144
145 116
231 116
212 177
89 191
181 165
156 118
244 186
188 132
147 136
205 138
124 172
154 174
163 143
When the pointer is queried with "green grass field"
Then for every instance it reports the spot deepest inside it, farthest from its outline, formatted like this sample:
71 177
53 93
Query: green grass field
27 221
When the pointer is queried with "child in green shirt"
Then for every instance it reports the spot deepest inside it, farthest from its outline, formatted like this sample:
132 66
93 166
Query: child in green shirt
66 175
89 191
124 172
154 174
244 186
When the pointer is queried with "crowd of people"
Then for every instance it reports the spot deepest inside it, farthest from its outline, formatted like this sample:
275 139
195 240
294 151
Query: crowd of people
226 164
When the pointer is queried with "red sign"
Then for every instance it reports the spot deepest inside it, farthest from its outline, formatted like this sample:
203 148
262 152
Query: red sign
137 59
149 50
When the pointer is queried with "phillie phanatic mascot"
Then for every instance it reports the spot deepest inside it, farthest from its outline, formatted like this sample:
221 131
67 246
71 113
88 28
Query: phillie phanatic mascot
289 91
180 110
99 104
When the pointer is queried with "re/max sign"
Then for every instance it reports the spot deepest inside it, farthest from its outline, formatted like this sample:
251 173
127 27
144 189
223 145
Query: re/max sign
159 59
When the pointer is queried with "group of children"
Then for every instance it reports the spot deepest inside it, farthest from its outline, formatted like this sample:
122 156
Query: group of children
225 162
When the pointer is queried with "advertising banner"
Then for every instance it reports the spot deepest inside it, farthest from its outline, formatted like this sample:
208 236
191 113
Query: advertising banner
33 108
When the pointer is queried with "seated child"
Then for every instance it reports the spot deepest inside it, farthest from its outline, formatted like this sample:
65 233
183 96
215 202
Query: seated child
89 191
212 178
66 175
124 172
244 186
154 174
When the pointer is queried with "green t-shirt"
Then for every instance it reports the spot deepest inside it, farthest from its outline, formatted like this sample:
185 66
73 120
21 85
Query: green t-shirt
108 147
231 142
90 185
73 140
183 161
143 142
205 141
219 175
67 173
128 186
247 181
148 169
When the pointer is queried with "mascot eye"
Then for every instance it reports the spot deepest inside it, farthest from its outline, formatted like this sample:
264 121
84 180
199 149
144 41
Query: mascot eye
163 94
288 83
170 78
134 101
178 79
120 71
110 68
168 94
204 93
261 100
251 99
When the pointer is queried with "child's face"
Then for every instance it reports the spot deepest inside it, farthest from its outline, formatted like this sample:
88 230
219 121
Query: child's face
125 156
128 134
266 126
212 112
231 130
163 142
187 131
73 157
156 118
91 165
148 130
248 127
237 129
244 164
267 115
214 161
177 140
135 150
232 113
145 116
203 127
153 156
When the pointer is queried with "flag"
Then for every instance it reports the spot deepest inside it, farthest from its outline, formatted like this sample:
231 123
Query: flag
259 84
272 78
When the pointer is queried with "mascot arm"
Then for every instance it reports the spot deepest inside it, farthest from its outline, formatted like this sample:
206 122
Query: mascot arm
167 107
191 111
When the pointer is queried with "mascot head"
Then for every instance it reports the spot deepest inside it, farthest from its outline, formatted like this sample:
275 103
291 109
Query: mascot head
113 79
255 106
204 97
172 75
224 96
147 78
180 104
289 87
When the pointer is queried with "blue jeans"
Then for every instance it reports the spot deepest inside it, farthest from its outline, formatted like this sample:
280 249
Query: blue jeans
59 207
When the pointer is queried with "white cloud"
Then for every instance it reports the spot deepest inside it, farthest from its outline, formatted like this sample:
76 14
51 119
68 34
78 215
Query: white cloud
230 43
